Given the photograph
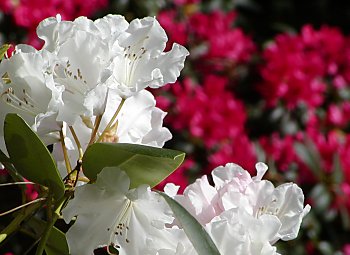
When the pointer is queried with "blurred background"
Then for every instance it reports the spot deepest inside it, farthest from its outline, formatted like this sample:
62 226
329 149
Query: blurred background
265 81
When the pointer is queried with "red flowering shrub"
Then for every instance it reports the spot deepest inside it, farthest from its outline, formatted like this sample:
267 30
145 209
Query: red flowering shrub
297 67
28 13
202 109
211 49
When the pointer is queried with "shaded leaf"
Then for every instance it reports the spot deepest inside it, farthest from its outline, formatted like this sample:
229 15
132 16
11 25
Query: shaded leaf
6 161
337 170
143 164
195 232
310 156
56 243
321 196
30 156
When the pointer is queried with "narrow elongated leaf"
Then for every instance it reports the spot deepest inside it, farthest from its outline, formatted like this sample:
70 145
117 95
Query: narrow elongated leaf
337 170
56 243
143 164
30 156
309 155
195 232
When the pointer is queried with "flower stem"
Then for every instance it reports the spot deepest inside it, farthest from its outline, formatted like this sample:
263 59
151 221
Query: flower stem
21 206
77 142
96 126
110 123
65 153
52 220
15 224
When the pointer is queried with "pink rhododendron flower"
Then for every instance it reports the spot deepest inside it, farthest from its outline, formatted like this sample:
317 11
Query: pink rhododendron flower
29 13
224 46
184 2
201 109
219 48
309 59
232 151
346 249
280 149
176 29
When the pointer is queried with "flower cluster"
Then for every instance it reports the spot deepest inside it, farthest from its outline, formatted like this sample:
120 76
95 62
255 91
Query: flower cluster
244 214
212 49
56 89
312 80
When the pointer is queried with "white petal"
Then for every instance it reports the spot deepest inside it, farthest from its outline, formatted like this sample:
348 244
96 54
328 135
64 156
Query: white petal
146 33
231 172
290 205
158 134
200 199
261 169
170 64
107 213
111 25
171 189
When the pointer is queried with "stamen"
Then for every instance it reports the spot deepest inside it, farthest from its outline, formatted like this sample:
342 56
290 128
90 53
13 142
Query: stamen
5 78
121 224
26 103
132 57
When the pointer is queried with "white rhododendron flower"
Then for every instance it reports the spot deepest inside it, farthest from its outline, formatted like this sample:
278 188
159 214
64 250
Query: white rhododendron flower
55 31
135 58
28 89
82 73
233 237
139 122
244 214
141 62
108 213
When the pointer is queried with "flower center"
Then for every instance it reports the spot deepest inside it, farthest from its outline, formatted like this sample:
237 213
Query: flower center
270 209
75 82
132 57
23 102
121 225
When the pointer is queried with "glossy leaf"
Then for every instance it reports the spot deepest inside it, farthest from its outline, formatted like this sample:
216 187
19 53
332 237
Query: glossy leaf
30 156
143 164
195 232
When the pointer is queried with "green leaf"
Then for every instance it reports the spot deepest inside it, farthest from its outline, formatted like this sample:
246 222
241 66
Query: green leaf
3 50
56 243
6 161
195 232
337 170
143 164
3 157
310 156
16 223
30 156
321 196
